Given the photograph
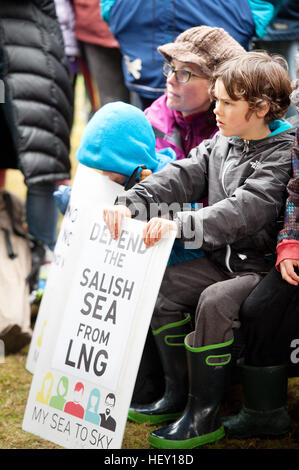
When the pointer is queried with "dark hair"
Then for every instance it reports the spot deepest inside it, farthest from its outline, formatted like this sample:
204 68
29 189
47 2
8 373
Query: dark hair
258 78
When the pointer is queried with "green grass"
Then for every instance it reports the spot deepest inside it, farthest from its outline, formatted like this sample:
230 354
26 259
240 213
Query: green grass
14 388
15 383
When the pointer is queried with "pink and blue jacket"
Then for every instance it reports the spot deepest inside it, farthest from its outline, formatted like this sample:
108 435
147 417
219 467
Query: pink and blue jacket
180 133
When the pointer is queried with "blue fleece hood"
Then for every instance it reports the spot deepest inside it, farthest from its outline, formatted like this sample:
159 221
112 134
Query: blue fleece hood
118 138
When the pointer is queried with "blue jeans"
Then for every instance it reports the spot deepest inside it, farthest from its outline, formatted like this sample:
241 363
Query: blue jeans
42 213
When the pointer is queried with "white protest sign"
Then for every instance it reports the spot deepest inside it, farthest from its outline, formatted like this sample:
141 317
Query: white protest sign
88 186
87 367
107 301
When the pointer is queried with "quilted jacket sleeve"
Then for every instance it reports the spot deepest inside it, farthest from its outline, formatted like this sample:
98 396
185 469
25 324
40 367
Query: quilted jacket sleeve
291 217
288 238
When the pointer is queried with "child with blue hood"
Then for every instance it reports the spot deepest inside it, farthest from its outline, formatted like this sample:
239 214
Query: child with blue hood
120 141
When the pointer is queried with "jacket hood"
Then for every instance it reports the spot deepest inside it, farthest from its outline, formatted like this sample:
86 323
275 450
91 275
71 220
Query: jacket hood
278 126
119 138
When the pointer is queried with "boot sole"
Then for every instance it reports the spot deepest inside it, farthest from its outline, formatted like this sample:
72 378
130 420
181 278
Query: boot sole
152 419
261 435
191 443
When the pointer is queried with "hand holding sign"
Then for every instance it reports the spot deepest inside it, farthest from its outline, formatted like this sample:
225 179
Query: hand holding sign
113 218
156 229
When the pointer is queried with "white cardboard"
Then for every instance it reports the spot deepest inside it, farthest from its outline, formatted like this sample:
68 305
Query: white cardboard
86 368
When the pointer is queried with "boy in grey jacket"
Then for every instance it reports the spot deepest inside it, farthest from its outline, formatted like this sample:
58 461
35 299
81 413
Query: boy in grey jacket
243 170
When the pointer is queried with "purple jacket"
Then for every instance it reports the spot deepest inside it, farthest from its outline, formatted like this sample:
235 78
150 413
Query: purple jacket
175 131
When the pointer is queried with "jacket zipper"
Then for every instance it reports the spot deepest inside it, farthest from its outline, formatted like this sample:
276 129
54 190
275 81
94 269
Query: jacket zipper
228 248
227 257
228 165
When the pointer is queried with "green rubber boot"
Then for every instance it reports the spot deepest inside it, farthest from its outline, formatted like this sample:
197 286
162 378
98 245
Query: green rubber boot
170 344
209 373
264 411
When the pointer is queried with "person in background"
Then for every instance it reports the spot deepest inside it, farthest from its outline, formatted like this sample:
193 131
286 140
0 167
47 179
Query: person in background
9 158
101 61
66 17
17 263
183 116
39 89
140 27
282 37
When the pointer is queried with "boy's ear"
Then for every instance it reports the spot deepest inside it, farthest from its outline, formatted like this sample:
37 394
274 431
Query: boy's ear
263 109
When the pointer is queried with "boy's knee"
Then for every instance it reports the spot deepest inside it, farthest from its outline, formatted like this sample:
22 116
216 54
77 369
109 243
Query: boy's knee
209 307
211 296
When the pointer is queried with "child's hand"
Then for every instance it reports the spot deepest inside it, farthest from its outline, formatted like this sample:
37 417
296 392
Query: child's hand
287 271
144 174
62 197
155 229
114 217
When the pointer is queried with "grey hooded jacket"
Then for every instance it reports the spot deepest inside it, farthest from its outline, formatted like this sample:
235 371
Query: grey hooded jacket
245 182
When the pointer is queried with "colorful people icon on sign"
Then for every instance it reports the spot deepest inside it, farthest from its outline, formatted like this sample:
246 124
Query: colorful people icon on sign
91 413
74 407
57 401
44 394
107 421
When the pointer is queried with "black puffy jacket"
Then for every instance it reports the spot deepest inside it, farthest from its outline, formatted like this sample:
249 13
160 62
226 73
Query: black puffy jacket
9 154
38 86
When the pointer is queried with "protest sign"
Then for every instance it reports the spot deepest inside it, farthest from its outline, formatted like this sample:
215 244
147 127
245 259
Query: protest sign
86 370
89 185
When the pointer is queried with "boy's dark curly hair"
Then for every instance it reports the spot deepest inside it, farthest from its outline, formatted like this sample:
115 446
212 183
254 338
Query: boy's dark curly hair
257 78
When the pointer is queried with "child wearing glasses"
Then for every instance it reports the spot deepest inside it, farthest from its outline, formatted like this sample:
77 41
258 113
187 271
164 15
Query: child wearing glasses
244 170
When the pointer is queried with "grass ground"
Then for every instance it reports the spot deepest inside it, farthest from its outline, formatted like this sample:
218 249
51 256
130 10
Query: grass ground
15 380
15 383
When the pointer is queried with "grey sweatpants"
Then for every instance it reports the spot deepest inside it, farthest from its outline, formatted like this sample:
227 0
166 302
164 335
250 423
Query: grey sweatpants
213 297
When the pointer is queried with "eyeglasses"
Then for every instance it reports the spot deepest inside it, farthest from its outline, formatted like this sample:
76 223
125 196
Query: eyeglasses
181 76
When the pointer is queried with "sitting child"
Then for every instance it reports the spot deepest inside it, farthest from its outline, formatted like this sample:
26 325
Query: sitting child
270 327
120 141
244 171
